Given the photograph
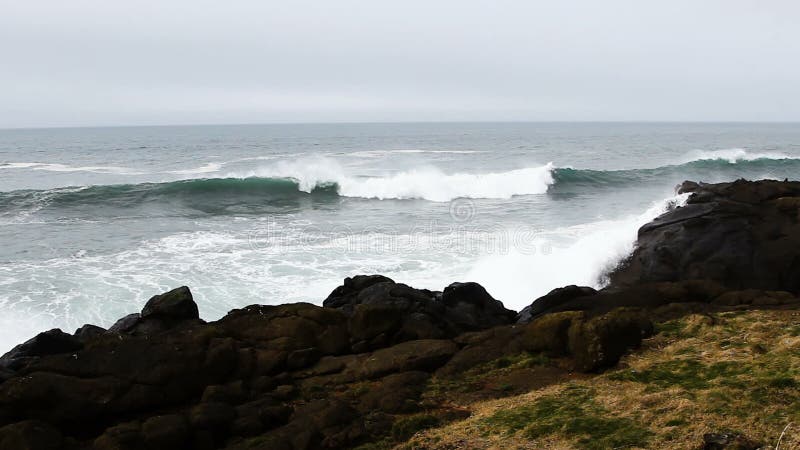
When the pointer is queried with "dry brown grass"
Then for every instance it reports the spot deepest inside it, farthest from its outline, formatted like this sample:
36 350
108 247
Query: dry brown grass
730 372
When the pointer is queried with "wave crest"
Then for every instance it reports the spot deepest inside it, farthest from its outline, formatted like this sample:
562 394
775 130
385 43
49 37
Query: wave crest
731 155
323 177
427 183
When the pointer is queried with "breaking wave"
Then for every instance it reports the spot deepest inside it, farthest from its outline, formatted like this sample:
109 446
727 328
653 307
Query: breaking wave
324 179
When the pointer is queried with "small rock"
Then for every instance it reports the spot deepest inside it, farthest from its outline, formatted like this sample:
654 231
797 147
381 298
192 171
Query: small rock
728 441
552 299
89 332
176 305
125 324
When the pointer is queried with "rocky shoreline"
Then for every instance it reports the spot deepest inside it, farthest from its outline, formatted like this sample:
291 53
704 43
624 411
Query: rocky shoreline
361 369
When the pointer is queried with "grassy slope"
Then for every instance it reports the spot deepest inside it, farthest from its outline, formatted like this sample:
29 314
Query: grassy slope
728 372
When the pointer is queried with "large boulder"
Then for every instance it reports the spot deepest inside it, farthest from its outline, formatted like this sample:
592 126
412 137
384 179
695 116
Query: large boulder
470 307
283 329
599 342
422 355
345 296
743 234
50 342
594 342
175 305
382 312
650 296
553 299
30 435
161 313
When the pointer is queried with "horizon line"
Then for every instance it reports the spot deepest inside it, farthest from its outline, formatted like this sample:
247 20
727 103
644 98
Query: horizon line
404 122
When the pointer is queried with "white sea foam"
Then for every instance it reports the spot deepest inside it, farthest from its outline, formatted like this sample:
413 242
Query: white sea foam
55 167
294 261
207 168
428 183
519 277
732 155
40 200
382 153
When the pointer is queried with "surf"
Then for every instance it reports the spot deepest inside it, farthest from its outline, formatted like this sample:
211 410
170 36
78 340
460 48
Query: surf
322 179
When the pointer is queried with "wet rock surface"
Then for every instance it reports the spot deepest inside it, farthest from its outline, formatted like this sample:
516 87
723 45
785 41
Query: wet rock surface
742 235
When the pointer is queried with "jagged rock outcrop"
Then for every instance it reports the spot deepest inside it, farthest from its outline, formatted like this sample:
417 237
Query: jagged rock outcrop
744 234
384 312
50 342
288 375
162 312
553 299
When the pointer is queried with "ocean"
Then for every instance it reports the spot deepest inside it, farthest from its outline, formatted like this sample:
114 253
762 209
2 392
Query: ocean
94 221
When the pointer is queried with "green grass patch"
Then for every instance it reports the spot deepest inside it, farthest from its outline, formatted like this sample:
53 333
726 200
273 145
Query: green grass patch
518 361
475 378
782 382
671 328
572 413
384 444
686 373
676 423
405 427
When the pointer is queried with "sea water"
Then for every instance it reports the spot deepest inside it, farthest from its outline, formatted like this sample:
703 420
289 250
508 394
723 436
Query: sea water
94 221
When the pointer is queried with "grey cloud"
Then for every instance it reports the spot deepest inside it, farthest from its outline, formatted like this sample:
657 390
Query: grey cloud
104 63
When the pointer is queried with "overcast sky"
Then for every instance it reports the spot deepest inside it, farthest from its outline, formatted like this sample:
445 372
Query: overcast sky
76 62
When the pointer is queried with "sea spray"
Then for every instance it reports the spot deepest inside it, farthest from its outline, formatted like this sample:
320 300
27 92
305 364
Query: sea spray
426 183
593 249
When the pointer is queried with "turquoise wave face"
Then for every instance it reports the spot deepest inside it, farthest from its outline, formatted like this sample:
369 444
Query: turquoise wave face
204 194
568 180
224 195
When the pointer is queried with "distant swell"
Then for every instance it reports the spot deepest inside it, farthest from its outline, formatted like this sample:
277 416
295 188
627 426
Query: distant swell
706 169
196 191
289 183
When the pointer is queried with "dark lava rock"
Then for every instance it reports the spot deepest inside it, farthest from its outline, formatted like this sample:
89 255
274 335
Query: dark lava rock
743 234
125 324
550 333
395 393
594 343
729 441
420 355
470 307
277 331
213 416
345 294
553 299
302 358
384 313
650 296
599 342
168 431
161 313
481 347
50 342
175 305
89 332
30 435
127 435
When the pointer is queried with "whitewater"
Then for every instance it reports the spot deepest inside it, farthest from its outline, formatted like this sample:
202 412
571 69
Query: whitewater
96 221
